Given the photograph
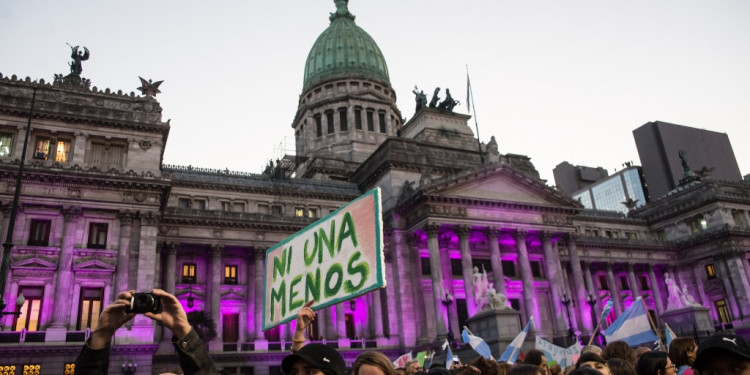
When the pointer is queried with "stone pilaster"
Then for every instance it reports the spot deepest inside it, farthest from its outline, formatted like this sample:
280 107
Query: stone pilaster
655 289
64 277
496 259
527 279
148 254
123 251
579 288
436 276
215 296
554 276
260 338
593 291
377 310
466 266
614 291
701 297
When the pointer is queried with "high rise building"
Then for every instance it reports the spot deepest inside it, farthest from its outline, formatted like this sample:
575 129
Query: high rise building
621 192
570 178
709 154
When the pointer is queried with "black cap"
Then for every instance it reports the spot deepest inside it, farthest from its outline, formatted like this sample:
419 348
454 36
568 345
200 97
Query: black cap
589 357
319 356
731 344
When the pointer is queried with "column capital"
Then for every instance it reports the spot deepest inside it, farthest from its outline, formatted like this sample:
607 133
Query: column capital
432 229
586 264
570 238
520 234
216 250
171 247
545 236
492 233
609 266
149 219
71 214
126 217
463 231
260 253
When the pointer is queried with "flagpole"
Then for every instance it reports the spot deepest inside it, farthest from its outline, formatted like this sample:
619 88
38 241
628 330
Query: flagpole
651 321
596 330
470 105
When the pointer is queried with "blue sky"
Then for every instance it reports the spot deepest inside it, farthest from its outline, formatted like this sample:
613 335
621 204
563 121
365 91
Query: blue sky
554 80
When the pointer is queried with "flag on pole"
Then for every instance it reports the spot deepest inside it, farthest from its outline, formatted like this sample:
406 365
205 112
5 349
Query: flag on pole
401 361
448 354
477 343
511 352
632 326
606 311
670 334
468 91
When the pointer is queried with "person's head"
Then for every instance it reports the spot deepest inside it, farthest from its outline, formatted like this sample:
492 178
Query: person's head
536 357
585 371
555 369
503 368
525 369
655 363
372 363
314 359
591 349
593 361
723 353
639 352
682 351
619 366
412 367
619 349
400 371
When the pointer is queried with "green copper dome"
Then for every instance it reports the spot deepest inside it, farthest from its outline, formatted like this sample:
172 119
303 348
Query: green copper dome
344 49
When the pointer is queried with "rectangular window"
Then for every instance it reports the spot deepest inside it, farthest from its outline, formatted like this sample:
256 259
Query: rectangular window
226 206
456 268
41 150
238 207
739 216
312 212
6 144
723 311
482 264
299 212
31 311
263 209
358 119
644 283
107 155
350 332
200 204
90 308
425 263
711 271
62 151
370 121
515 303
183 203
98 235
343 123
230 274
624 282
39 233
276 210
536 269
381 121
318 126
603 285
188 273
329 120
509 268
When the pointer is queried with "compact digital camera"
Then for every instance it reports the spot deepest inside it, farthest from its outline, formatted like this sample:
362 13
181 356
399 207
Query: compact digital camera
144 302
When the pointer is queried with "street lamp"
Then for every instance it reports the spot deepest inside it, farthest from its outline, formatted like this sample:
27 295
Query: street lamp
448 301
19 302
566 301
591 299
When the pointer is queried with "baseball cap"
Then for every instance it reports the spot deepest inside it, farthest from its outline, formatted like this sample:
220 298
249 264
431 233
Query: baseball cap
721 342
319 356
589 357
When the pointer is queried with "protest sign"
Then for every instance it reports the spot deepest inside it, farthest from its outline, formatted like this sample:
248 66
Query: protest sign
557 354
334 259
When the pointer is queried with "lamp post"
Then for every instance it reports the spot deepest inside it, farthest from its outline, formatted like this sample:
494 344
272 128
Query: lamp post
448 301
19 302
8 244
591 299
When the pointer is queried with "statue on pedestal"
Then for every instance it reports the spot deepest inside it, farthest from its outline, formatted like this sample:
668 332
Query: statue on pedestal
420 97
77 56
448 103
687 298
435 98
485 295
675 300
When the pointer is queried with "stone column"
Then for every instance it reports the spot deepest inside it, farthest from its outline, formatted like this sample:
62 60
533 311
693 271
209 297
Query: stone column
634 287
554 276
436 276
655 289
614 291
123 251
466 266
260 338
593 291
701 297
215 296
170 269
496 259
344 341
148 254
740 283
377 307
579 288
64 281
527 280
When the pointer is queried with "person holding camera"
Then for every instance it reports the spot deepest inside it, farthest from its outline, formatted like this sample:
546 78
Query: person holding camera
161 307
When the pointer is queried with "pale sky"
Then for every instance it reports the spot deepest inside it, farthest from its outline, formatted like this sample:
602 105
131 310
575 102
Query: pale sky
554 80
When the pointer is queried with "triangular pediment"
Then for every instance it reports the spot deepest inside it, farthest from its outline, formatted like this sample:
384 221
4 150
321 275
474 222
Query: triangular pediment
503 184
36 263
94 265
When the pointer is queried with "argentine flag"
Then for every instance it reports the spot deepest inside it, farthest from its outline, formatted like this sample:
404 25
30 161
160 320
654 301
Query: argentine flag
511 352
476 343
670 335
632 326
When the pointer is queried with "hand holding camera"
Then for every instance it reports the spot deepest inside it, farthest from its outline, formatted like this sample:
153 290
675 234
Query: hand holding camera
141 303
171 315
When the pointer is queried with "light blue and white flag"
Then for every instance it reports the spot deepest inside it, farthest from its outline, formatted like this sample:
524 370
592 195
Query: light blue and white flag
669 333
511 352
632 326
606 311
448 354
477 343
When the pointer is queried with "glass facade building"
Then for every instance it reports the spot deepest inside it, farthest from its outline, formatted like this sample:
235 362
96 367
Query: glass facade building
611 193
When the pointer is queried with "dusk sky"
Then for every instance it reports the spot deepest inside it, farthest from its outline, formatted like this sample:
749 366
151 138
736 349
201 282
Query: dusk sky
554 80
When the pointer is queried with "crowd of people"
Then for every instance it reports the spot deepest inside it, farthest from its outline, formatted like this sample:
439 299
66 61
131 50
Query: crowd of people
721 353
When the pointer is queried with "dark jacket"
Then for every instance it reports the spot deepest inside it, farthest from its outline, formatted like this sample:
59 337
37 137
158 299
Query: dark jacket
191 351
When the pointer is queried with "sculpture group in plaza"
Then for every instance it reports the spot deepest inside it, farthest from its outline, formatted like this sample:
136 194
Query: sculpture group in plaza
678 298
485 295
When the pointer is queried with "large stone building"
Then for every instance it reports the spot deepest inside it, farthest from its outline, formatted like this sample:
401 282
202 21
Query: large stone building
99 213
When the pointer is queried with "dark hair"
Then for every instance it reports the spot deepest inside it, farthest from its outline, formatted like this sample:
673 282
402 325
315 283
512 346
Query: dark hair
503 368
619 349
589 357
555 369
619 366
585 371
375 359
651 363
525 369
486 366
534 357
679 348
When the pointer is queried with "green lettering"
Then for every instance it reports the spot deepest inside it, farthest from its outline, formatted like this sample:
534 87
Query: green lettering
347 230
279 265
278 297
328 241
316 250
289 260
312 285
335 269
294 305
361 268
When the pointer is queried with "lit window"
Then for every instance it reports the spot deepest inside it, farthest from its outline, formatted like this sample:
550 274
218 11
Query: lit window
230 274
39 233
710 271
98 235
90 308
31 311
312 212
723 311
299 212
188 273
41 151
6 144
58 149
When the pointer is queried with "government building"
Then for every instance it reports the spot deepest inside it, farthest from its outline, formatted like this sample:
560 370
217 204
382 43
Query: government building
99 212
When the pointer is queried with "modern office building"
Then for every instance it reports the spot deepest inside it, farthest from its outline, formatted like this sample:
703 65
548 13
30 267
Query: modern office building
570 178
709 154
99 213
621 192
